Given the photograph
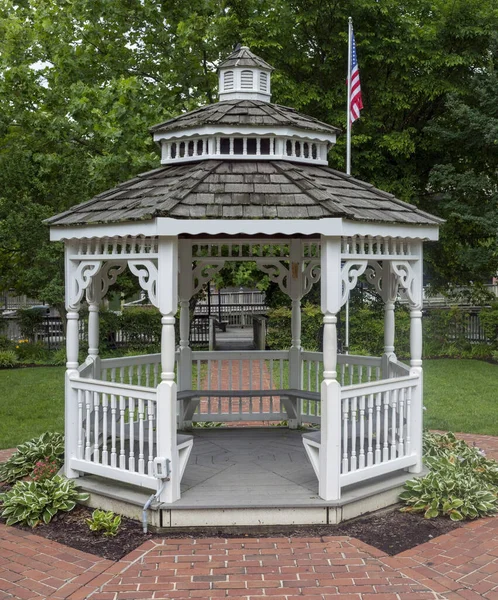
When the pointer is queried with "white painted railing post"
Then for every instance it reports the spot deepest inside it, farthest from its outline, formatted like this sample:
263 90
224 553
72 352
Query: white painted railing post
167 292
389 292
93 338
415 298
185 289
71 433
329 487
295 289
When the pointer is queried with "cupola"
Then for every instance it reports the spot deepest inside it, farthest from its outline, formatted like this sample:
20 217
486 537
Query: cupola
244 76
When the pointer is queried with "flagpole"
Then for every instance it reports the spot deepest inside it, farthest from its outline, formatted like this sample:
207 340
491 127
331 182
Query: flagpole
348 108
348 158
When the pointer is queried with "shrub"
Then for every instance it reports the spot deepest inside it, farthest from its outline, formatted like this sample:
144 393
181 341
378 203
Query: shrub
34 502
48 446
29 352
6 343
106 522
58 358
279 335
489 322
141 327
461 484
8 358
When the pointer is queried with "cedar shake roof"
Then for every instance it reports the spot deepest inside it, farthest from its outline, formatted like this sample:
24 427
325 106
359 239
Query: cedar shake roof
243 57
233 113
224 189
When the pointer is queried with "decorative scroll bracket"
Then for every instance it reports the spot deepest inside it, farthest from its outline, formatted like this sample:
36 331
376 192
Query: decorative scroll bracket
350 272
100 284
407 281
312 274
278 273
146 271
203 273
81 280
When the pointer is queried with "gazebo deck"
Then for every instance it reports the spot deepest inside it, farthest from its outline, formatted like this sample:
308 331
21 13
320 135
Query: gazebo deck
248 476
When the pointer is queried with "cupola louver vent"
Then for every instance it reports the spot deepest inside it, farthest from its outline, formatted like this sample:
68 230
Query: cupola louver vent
228 80
246 80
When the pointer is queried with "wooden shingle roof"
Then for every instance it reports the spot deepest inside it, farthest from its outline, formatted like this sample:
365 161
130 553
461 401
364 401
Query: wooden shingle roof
237 112
224 189
243 57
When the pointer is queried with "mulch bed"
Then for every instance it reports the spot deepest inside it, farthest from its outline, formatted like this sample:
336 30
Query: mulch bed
390 531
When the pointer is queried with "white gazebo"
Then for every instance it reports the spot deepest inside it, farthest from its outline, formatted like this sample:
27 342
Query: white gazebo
243 180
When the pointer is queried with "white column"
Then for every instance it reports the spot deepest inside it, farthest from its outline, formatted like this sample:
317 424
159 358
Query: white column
185 289
295 289
389 298
72 351
417 402
330 451
167 292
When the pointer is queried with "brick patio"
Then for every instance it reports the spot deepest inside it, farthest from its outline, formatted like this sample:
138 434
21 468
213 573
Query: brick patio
461 565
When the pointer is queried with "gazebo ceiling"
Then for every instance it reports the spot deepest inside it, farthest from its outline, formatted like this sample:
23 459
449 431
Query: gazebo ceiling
244 113
231 189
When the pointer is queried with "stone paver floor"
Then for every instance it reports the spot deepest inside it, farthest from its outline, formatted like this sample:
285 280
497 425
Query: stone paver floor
462 565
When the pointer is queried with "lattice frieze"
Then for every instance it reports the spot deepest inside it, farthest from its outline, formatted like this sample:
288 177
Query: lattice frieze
240 250
146 271
376 246
116 246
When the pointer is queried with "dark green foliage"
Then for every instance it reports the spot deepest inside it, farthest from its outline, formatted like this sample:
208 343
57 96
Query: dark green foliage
8 358
33 502
140 327
47 446
489 322
30 322
462 482
279 327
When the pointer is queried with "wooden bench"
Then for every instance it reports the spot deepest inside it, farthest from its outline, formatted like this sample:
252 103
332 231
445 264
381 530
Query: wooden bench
289 398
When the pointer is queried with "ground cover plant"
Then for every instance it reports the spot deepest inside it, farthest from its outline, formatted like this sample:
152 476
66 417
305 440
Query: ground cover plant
462 482
39 457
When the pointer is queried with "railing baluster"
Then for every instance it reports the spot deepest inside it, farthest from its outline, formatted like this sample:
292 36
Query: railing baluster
88 425
113 431
96 410
401 422
361 461
385 447
230 384
122 456
370 430
150 423
250 386
394 403
345 432
80 424
354 413
105 408
408 445
141 456
131 423
378 417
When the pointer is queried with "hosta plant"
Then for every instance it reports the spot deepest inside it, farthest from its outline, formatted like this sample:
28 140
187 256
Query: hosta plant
34 502
49 446
461 483
104 522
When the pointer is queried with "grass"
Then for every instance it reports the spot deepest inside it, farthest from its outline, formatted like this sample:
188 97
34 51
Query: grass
31 402
459 395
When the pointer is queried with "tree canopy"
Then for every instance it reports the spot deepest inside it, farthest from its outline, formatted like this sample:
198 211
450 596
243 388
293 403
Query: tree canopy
81 81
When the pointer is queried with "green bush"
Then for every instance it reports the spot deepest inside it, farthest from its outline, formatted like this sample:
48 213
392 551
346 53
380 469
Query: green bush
22 463
141 327
461 483
108 325
31 352
489 322
34 502
104 522
279 334
8 358
6 343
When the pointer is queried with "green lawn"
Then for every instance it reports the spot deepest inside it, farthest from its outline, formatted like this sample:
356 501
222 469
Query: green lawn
31 402
459 395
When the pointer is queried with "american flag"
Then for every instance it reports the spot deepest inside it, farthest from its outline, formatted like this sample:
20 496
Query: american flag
355 102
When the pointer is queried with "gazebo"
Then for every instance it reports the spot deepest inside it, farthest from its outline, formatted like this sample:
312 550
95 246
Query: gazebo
243 180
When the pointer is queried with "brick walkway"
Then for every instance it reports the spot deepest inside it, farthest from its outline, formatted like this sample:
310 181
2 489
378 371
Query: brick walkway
461 565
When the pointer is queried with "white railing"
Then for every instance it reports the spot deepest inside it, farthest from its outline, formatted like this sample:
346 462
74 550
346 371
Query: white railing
376 428
258 372
85 370
116 431
398 369
141 370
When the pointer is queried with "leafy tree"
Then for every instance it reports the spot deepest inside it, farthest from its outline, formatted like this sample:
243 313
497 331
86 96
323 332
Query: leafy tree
81 81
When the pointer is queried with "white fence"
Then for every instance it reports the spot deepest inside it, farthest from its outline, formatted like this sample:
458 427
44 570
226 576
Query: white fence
116 431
